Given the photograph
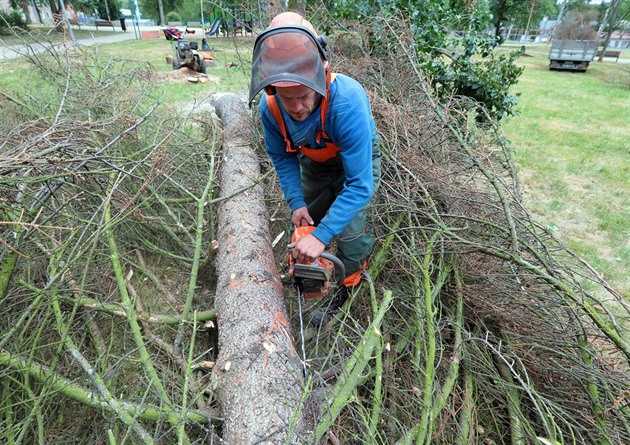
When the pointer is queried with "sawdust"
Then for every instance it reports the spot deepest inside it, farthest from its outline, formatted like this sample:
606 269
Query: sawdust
183 75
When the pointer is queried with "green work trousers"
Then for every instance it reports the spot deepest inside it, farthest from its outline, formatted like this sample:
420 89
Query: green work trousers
321 184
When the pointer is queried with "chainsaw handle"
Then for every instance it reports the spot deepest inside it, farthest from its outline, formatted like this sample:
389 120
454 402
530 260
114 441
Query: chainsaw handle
339 267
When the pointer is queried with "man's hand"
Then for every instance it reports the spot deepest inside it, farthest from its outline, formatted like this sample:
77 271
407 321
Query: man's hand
308 248
301 215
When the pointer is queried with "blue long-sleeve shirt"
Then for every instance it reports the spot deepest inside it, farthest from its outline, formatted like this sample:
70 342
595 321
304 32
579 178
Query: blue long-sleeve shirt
350 126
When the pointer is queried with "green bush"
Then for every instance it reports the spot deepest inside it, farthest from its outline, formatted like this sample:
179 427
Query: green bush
466 63
12 19
172 16
472 67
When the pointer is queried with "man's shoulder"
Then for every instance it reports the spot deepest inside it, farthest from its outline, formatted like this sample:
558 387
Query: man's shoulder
346 91
344 82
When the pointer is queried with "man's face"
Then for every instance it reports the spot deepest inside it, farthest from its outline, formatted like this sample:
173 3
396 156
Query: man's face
299 101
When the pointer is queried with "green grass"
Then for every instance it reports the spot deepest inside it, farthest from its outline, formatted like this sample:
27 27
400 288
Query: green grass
154 51
175 90
572 148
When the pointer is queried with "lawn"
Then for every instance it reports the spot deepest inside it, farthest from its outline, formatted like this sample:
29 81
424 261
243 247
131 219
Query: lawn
230 73
572 148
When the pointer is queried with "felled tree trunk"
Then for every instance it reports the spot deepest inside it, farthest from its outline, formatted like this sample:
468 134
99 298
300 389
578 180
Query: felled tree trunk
258 368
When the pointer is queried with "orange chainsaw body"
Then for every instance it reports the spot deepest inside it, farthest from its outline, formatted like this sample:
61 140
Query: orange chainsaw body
312 278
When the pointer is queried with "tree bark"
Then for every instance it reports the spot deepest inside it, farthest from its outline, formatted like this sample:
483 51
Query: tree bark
259 373
614 8
24 4
161 11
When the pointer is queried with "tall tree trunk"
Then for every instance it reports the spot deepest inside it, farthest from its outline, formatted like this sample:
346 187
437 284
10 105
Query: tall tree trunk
614 8
258 369
25 5
161 11
499 16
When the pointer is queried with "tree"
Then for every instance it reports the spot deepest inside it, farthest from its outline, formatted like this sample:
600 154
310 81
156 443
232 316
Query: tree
23 5
451 41
258 367
55 10
577 24
612 14
159 8
500 10
109 9
104 222
521 14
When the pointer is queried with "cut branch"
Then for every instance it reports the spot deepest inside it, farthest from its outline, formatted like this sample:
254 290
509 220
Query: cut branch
70 389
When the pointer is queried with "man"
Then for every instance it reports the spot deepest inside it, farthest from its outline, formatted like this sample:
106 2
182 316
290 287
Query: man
321 138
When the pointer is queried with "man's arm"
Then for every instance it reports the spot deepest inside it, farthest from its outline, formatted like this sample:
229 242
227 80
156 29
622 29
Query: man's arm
351 127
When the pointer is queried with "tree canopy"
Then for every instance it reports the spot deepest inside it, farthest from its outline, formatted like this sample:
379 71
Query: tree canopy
522 14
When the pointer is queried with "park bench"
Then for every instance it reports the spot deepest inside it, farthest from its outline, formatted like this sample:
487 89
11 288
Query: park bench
98 23
193 24
610 53
174 24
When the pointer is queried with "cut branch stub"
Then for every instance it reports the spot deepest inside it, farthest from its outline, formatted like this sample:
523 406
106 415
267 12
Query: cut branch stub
258 369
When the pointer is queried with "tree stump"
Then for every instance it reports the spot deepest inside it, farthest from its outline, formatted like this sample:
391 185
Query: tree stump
258 369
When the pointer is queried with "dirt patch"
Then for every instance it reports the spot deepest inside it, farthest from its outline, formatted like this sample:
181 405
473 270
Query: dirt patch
184 75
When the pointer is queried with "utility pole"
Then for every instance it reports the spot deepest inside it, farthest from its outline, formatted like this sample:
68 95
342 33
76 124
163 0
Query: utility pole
136 25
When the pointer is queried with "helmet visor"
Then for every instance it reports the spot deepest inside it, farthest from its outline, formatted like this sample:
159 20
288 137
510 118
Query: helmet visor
286 56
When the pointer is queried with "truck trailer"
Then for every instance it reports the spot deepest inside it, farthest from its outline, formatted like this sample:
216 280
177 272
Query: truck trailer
572 55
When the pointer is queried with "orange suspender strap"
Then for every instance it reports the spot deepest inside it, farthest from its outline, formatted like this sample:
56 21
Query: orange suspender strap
277 115
330 77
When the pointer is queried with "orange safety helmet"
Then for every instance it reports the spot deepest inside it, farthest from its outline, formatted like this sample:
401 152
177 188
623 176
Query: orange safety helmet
289 53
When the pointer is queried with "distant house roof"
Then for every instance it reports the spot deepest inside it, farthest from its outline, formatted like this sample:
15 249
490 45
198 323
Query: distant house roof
547 24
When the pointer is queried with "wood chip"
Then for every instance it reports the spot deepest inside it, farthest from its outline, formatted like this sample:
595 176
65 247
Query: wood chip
206 364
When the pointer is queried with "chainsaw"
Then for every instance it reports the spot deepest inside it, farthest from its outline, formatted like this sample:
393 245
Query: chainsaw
313 279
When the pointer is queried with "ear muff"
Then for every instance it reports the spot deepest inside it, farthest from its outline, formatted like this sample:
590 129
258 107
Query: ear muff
323 43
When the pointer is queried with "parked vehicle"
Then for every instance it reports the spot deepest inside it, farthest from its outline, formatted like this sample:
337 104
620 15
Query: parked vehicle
187 55
573 55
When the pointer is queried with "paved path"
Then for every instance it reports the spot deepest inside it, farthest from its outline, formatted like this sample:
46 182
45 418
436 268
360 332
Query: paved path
14 51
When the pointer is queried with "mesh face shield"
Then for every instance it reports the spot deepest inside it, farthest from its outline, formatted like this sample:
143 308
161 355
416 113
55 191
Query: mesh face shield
285 56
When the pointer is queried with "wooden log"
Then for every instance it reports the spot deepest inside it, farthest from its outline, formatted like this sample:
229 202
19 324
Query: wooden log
258 369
